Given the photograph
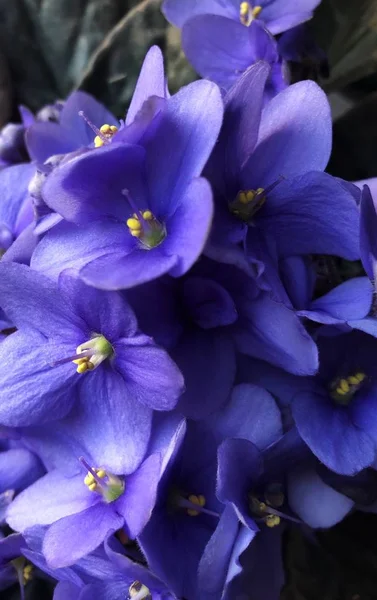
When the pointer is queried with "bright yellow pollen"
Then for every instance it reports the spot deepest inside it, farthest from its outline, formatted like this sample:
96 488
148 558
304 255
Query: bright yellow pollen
360 377
133 223
84 365
199 500
90 480
344 385
27 573
108 131
248 14
272 520
147 215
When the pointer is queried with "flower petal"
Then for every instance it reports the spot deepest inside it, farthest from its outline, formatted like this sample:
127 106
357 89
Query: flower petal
178 151
50 498
189 227
82 533
32 390
313 501
294 136
151 82
331 435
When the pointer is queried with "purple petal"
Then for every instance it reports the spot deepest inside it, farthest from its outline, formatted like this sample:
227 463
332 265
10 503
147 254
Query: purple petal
90 187
71 120
294 136
50 498
18 469
288 21
179 11
214 563
243 108
252 414
31 300
139 497
48 139
82 533
151 82
65 590
23 247
149 373
69 246
209 304
189 227
187 131
312 214
330 433
351 299
219 48
32 390
100 310
274 333
240 466
368 228
115 428
14 182
313 501
207 361
119 271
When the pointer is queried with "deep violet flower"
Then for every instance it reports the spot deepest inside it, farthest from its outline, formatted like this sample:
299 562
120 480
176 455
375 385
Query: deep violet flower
136 212
60 323
277 15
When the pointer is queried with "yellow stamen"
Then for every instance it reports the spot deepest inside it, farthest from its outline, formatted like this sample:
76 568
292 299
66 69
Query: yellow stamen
360 377
91 482
272 520
107 131
353 380
344 385
147 215
133 223
27 573
340 391
248 14
199 500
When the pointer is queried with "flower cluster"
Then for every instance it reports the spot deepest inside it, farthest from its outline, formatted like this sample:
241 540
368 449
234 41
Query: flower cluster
187 328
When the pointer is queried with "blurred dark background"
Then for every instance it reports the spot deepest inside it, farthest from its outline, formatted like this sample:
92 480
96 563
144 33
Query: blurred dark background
50 47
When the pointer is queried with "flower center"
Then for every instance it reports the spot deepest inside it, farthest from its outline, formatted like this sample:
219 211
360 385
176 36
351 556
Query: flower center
107 132
248 14
104 134
139 591
265 510
147 229
343 389
107 485
247 203
200 501
90 354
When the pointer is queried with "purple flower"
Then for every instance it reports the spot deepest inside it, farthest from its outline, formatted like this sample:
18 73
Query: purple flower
16 211
334 411
59 325
197 534
84 503
277 15
269 190
221 50
132 209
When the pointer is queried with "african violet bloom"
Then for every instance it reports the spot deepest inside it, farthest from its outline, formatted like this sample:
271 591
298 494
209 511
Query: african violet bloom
334 411
221 50
132 209
85 498
74 344
16 211
269 189
277 15
199 537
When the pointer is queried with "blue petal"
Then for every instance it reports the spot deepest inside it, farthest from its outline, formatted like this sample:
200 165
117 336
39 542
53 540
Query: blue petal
18 469
151 82
368 228
331 434
313 501
251 413
207 361
32 390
